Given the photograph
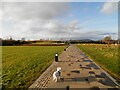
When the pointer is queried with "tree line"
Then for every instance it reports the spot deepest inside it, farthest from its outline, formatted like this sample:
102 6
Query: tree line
11 42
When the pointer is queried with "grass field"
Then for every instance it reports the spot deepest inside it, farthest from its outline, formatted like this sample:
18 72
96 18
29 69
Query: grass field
105 55
22 65
43 43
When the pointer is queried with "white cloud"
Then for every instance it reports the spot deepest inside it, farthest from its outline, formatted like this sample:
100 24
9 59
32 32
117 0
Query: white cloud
37 20
60 30
71 15
0 15
51 26
73 22
57 27
41 21
21 17
109 7
34 10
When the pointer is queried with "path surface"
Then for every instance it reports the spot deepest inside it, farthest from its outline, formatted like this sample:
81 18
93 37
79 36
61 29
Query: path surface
78 71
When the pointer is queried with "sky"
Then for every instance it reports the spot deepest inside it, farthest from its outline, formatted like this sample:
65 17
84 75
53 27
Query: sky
59 20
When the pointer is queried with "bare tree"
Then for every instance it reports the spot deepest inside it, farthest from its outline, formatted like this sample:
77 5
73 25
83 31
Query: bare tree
107 39
23 39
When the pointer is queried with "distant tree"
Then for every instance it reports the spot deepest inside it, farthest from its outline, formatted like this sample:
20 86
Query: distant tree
0 41
23 39
107 39
11 39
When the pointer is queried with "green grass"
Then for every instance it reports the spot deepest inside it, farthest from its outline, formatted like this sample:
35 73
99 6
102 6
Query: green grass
22 65
104 55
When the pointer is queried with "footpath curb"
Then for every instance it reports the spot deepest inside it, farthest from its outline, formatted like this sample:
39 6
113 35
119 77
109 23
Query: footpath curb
43 79
103 70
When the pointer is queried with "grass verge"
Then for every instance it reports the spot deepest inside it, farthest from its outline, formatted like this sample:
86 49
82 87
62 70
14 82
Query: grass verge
22 65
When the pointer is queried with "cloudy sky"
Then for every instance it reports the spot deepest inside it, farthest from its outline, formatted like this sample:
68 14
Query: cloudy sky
59 20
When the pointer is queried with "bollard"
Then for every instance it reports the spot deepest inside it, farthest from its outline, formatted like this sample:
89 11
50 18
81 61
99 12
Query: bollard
64 49
67 87
56 57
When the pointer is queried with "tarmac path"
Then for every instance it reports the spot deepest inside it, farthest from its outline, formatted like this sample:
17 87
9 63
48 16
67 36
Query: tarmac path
78 71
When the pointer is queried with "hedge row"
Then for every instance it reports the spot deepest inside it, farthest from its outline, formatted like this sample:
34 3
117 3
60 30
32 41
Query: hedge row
43 44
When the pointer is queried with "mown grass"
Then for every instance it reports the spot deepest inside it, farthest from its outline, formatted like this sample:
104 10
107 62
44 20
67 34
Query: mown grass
104 55
22 65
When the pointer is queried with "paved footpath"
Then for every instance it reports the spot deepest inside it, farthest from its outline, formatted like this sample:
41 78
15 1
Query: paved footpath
78 71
